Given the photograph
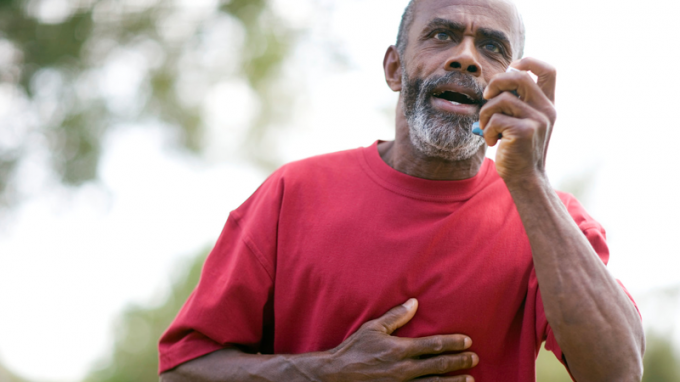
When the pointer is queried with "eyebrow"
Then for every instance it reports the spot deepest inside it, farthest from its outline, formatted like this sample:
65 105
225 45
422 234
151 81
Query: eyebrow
447 24
460 27
493 34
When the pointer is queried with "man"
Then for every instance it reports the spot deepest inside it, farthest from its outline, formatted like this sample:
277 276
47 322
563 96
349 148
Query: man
298 284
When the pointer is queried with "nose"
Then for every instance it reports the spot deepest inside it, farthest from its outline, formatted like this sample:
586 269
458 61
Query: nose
464 58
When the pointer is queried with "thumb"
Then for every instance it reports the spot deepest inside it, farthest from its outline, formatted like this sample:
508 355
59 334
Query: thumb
396 317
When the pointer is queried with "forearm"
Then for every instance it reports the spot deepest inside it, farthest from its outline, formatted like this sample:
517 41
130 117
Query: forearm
594 322
233 365
369 354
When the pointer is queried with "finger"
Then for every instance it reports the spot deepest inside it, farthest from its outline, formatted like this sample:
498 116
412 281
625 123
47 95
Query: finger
505 103
510 128
458 378
443 364
546 73
523 84
416 347
395 318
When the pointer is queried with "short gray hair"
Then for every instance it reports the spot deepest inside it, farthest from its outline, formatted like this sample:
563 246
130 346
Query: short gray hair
407 21
404 26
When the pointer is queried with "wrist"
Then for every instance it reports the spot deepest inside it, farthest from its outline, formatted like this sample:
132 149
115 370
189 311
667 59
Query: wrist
312 367
527 184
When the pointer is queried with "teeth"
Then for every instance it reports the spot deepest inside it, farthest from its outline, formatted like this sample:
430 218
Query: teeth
454 103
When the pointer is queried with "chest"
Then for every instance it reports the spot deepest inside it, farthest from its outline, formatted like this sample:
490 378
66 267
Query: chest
467 263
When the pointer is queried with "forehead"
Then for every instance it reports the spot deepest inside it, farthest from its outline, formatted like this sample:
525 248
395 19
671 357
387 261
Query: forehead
496 14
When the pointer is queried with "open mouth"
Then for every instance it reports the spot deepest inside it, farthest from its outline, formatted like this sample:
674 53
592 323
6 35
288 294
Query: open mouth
456 98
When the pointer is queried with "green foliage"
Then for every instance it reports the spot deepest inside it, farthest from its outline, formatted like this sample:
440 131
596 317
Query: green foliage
260 66
134 356
661 362
55 46
59 66
8 162
549 369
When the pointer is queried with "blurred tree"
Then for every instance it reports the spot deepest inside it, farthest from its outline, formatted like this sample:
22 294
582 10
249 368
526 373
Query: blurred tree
134 356
549 369
661 362
71 70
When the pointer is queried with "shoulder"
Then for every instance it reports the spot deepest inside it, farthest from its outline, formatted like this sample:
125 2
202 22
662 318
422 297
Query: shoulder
306 175
334 165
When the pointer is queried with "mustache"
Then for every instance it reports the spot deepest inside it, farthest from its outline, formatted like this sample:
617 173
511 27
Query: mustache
454 78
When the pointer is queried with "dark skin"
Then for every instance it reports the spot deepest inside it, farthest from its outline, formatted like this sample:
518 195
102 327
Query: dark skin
596 325
370 354
594 322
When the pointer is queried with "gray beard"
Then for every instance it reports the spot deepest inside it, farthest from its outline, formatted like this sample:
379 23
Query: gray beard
436 134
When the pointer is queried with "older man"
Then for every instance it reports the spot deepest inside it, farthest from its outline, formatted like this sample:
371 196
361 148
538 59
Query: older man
297 286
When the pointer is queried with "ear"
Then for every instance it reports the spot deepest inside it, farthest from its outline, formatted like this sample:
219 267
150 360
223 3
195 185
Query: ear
392 66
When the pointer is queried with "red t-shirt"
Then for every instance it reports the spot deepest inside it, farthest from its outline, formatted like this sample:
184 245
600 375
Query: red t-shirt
330 242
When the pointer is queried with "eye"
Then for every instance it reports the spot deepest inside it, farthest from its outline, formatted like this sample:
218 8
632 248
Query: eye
442 36
492 47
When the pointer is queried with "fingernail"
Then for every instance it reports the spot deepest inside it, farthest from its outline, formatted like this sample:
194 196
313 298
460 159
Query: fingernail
469 379
467 342
475 360
410 303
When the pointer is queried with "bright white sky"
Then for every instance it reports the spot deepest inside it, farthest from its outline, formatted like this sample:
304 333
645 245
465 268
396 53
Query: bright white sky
69 264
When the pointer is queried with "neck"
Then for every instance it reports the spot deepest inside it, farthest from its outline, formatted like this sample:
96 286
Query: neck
403 157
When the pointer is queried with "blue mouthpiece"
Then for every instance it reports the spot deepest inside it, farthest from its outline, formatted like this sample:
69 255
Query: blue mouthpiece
476 130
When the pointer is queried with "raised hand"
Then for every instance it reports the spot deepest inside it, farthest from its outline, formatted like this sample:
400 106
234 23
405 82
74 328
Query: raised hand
525 123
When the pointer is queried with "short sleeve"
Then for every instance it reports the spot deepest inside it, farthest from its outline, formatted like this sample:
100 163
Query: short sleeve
232 304
596 235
